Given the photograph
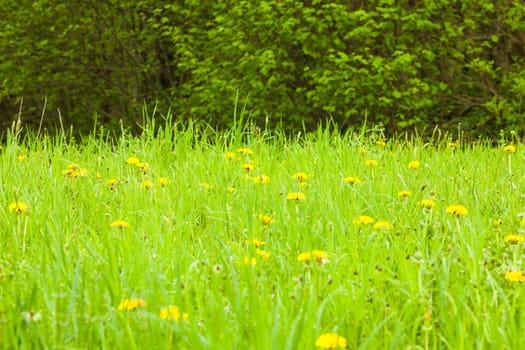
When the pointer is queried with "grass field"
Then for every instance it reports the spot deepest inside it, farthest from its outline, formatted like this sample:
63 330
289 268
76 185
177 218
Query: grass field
250 240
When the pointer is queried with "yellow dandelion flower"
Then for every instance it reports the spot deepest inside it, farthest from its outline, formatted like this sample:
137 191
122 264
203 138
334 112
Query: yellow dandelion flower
245 150
263 254
371 162
457 210
319 256
362 150
111 183
163 181
256 242
21 158
351 180
248 167
266 219
119 224
383 225
131 304
70 172
497 222
132 161
381 143
172 313
509 149
229 155
404 194
363 220
427 203
452 144
306 256
146 184
205 186
249 261
18 207
414 164
301 177
515 276
261 179
143 166
296 196
514 238
331 341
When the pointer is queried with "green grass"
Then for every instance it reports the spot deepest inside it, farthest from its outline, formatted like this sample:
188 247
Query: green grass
431 281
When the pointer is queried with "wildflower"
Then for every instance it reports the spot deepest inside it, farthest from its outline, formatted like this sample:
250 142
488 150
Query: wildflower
404 194
205 185
381 143
256 242
371 162
249 261
172 313
427 316
131 304
414 164
18 207
132 161
261 179
163 181
30 316
143 166
363 220
331 341
247 167
231 189
119 224
514 238
111 183
362 150
229 155
452 144
457 210
301 177
246 151
217 268
296 196
351 180
383 225
146 184
497 222
319 256
509 149
515 276
427 203
263 254
265 219
21 158
74 170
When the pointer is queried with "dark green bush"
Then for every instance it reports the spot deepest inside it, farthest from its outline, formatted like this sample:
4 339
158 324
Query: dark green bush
401 63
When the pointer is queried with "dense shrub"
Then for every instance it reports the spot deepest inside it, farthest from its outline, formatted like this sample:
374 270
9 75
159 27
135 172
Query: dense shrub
401 63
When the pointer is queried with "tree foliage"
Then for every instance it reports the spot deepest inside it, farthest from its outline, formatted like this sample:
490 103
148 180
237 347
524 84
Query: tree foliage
402 63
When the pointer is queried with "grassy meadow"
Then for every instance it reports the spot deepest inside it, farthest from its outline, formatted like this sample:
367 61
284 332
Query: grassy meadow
246 239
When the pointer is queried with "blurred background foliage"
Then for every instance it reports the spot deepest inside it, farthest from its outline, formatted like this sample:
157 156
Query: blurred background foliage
400 63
